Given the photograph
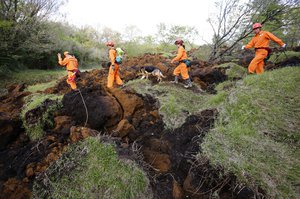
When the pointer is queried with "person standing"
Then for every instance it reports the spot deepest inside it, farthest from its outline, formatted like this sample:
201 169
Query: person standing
260 42
182 68
71 64
113 74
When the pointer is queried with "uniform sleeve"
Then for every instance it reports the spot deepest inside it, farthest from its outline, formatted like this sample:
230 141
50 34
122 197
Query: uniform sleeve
275 39
112 56
250 44
179 54
63 62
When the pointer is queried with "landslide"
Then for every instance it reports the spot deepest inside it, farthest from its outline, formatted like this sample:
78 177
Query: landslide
168 155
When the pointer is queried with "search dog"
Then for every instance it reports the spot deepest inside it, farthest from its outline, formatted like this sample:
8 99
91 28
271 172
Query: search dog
145 71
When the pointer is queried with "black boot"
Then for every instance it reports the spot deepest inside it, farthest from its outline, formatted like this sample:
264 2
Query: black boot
188 83
175 80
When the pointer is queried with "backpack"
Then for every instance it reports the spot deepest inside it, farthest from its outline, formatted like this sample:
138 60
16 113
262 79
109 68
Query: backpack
118 60
187 62
119 57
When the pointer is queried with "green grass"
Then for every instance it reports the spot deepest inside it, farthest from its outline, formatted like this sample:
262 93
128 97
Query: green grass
31 77
41 86
176 102
257 134
283 55
36 131
234 71
91 169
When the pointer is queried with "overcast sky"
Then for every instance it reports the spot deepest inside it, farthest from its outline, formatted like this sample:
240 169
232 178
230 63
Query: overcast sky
146 15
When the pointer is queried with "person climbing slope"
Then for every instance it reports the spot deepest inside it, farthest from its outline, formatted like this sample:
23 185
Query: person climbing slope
182 67
71 64
260 42
113 74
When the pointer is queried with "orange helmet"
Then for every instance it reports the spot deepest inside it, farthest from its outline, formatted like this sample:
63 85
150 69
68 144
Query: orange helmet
110 43
178 41
256 25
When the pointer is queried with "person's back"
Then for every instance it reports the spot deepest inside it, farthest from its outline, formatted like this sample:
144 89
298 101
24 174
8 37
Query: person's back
70 62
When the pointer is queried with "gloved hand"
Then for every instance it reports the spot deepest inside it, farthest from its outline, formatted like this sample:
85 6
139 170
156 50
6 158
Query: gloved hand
283 46
243 47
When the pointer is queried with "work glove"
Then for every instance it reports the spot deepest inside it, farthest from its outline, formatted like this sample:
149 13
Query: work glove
283 46
243 47
113 67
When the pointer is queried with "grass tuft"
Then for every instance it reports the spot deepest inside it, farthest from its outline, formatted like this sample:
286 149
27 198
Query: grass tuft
176 102
91 169
36 130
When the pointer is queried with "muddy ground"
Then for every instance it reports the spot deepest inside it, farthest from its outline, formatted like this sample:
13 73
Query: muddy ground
168 156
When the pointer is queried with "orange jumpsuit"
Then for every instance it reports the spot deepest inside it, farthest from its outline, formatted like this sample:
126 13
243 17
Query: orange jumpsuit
181 68
113 75
259 42
71 64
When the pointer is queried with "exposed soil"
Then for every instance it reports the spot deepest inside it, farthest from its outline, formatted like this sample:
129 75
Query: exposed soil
168 156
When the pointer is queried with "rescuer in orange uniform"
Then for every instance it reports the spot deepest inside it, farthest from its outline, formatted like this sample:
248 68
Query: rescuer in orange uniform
182 67
261 44
113 74
71 64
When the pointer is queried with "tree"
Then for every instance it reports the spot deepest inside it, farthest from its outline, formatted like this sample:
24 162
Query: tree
167 35
108 34
235 17
22 29
132 34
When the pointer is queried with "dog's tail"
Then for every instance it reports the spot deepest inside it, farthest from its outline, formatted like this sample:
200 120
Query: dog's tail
162 75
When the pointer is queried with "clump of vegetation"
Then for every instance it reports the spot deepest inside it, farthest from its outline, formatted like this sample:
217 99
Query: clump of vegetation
91 169
225 86
234 70
32 103
283 55
257 133
218 99
176 102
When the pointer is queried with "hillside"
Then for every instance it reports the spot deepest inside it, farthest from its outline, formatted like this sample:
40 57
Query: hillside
230 136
